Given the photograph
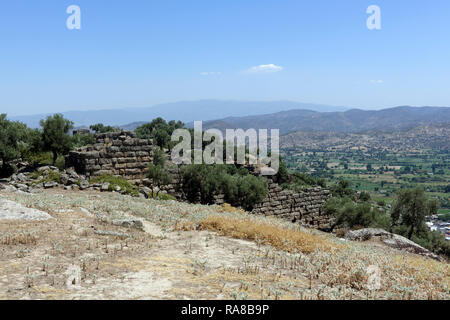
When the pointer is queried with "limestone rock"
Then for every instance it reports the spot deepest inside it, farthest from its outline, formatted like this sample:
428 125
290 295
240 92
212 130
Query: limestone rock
105 186
391 240
129 223
10 210
64 179
49 185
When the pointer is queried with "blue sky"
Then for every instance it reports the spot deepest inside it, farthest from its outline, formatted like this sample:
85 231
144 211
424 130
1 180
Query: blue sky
140 53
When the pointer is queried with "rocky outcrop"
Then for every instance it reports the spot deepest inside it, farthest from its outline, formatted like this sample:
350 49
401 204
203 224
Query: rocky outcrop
10 210
391 240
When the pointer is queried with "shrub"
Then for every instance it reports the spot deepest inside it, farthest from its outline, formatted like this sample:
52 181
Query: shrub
163 196
203 182
158 175
445 217
159 157
352 215
342 189
117 181
159 130
52 176
299 181
245 191
364 196
101 128
81 140
433 241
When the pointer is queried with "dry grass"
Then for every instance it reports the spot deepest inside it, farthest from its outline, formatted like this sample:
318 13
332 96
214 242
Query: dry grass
285 261
228 208
279 237
25 238
424 270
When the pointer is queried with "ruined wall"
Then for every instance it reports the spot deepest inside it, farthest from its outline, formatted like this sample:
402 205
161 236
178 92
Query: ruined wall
305 208
116 153
122 154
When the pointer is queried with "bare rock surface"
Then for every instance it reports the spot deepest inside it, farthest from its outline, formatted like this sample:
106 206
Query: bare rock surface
10 210
391 240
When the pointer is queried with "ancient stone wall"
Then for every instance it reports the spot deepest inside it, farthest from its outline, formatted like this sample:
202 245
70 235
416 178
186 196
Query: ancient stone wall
116 153
122 154
305 208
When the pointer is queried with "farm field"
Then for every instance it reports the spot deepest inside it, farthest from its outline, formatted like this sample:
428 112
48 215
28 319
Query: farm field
379 173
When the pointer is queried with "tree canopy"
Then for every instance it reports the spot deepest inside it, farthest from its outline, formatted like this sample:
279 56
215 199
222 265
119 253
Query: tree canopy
410 208
160 131
101 128
55 135
15 139
202 182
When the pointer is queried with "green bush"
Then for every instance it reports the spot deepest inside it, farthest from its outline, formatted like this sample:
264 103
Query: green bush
52 176
159 130
158 176
163 196
364 196
342 189
445 217
299 181
433 241
117 181
81 140
355 215
101 128
43 158
203 182
159 157
250 190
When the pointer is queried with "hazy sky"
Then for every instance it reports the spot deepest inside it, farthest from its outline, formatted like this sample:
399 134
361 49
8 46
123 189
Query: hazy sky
139 53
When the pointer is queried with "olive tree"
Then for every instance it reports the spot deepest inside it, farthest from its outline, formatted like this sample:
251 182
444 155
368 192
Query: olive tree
410 209
15 138
159 130
55 135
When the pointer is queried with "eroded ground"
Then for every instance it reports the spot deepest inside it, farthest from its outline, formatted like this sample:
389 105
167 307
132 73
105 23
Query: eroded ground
66 258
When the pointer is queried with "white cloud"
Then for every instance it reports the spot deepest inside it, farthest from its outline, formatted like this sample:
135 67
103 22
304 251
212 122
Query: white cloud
210 73
265 68
376 81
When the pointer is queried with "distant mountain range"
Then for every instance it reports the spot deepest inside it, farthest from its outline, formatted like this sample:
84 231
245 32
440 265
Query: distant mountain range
284 115
355 120
185 111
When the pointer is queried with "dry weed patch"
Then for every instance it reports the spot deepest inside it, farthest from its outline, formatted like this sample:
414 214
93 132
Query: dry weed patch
280 238
16 238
